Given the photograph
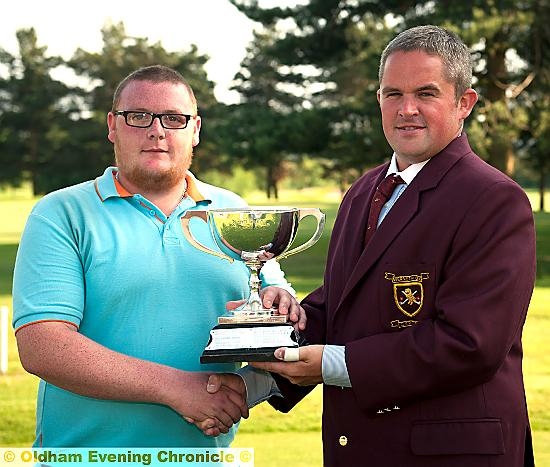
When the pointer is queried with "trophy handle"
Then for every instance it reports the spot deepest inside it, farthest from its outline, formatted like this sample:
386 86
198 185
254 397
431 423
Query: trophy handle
189 236
304 212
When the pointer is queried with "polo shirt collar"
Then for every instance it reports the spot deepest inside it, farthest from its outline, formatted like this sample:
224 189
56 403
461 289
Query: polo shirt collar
107 186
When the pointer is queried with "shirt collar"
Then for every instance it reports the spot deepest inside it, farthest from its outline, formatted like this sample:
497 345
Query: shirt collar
107 186
409 173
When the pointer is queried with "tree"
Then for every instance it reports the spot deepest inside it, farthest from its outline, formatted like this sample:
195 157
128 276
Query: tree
262 130
534 141
330 55
32 107
343 40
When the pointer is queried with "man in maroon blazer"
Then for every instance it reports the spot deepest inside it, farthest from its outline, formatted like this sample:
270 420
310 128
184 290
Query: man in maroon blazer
416 334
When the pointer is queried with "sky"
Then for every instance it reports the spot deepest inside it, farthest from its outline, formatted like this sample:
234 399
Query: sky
216 27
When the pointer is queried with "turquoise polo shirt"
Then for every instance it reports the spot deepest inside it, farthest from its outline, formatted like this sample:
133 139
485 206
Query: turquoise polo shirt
115 266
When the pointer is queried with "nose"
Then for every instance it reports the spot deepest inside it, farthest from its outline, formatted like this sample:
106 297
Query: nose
408 107
156 130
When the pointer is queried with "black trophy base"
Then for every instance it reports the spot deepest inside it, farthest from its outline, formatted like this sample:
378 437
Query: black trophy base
262 354
244 342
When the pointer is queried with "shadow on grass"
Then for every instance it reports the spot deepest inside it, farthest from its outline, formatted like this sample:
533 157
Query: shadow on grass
7 261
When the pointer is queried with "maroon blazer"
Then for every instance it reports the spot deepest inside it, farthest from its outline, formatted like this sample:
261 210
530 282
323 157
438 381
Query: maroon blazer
431 314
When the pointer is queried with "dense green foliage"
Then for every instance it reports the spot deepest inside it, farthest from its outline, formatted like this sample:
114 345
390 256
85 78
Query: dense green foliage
308 92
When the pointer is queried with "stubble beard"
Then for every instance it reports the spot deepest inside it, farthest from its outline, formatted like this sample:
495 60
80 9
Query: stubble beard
152 181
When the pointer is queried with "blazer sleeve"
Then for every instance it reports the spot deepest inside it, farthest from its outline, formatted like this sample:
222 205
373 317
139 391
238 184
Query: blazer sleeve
314 304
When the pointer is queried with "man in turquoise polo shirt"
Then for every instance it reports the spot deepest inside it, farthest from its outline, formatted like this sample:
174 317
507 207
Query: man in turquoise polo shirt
113 307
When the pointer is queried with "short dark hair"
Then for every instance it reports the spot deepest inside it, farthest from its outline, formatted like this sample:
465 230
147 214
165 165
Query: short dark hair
156 74
434 40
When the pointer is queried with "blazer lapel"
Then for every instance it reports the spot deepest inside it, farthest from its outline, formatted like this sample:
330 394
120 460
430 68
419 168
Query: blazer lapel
399 216
353 238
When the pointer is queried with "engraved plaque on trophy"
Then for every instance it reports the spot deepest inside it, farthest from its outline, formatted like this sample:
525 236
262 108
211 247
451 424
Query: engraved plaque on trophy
254 235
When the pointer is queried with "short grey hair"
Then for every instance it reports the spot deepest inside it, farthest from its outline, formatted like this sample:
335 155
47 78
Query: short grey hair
434 40
155 74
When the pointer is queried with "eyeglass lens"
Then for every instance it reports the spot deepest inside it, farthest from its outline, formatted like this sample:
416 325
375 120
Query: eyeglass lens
143 120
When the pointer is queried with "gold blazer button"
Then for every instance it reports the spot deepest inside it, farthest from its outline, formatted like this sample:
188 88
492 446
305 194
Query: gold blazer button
343 440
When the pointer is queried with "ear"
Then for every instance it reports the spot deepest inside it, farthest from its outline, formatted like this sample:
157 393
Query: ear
196 130
111 124
378 95
466 103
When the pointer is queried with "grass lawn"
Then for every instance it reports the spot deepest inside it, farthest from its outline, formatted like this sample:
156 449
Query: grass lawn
267 431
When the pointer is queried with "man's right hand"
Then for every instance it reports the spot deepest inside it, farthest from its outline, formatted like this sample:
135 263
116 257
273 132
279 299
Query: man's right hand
213 411
232 385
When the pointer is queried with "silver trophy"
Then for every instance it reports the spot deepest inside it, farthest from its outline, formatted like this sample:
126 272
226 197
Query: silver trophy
254 235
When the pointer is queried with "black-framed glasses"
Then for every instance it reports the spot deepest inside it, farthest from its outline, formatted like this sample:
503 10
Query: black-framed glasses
139 119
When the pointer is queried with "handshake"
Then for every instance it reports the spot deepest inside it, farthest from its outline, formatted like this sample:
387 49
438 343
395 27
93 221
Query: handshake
226 394
225 400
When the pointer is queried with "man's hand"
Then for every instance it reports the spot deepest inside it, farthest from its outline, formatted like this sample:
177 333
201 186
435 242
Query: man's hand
234 385
210 410
284 300
304 372
286 303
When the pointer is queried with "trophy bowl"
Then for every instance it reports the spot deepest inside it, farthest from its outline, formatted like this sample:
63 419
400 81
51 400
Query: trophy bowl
253 235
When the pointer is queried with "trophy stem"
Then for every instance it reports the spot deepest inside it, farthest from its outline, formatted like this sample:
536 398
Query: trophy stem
254 305
254 301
